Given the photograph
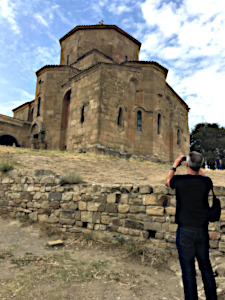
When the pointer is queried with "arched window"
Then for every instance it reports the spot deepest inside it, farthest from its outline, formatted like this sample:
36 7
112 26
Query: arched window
120 117
38 106
82 115
159 124
139 121
178 136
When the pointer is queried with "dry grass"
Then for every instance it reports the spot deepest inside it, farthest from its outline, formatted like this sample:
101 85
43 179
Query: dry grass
97 168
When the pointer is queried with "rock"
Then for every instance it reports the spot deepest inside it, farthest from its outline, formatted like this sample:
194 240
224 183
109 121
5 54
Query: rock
55 243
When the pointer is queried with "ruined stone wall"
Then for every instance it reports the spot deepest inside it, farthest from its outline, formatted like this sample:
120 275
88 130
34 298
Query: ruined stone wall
18 129
119 212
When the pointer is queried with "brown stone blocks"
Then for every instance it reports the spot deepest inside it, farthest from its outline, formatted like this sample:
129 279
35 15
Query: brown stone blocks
111 198
82 205
170 211
155 210
150 199
87 216
123 208
214 235
101 208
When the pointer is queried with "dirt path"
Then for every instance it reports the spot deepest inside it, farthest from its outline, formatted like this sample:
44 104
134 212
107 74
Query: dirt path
80 269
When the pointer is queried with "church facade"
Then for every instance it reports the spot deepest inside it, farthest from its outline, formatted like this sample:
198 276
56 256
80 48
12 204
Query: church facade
102 98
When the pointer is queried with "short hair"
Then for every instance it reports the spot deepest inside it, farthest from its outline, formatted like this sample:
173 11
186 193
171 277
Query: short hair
195 160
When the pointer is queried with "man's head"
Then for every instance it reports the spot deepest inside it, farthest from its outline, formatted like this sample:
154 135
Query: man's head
195 160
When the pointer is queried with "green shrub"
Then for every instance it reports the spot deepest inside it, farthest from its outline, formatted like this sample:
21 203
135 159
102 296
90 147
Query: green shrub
6 165
72 177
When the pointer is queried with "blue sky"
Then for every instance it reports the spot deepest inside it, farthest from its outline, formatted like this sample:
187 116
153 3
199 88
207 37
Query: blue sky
185 36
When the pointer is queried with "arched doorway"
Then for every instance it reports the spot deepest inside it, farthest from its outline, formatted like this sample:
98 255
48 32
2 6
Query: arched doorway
37 133
8 140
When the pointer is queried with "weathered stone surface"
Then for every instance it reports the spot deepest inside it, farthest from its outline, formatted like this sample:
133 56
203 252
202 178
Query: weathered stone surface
149 199
137 209
54 204
153 226
213 244
42 218
87 216
52 219
160 189
105 219
64 221
33 216
93 206
47 180
172 227
111 198
170 237
214 235
67 196
222 246
222 217
67 214
123 208
170 211
82 205
155 210
145 189
55 197
133 224
111 208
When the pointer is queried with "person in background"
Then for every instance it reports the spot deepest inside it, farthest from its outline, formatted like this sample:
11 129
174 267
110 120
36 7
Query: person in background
192 238
218 163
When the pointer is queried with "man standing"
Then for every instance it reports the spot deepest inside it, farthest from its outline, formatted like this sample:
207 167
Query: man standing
191 216
218 163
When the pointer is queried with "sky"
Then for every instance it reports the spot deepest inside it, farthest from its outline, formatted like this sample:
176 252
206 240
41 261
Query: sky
184 36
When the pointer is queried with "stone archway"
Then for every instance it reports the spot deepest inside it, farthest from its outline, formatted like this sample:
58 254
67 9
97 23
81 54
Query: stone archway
8 140
37 133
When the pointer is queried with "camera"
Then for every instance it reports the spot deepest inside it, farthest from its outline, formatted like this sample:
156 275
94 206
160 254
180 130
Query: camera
184 158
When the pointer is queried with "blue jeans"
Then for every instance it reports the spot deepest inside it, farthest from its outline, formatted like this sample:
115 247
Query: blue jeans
194 243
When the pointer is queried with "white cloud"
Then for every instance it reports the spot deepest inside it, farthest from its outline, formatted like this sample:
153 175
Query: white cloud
118 8
190 38
40 19
7 12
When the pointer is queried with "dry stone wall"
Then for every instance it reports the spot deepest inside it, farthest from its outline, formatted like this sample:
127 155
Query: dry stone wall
113 212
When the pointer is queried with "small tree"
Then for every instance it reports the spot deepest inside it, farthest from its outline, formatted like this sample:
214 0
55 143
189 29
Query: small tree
208 139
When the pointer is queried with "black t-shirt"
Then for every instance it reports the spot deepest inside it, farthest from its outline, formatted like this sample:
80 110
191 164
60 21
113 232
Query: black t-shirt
192 199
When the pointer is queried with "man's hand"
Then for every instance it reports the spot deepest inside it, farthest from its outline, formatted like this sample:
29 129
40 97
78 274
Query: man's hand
178 161
176 164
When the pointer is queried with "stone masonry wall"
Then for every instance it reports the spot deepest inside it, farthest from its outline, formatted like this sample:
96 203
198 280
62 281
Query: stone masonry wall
119 212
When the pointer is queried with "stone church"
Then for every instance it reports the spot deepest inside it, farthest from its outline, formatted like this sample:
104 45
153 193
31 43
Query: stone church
101 98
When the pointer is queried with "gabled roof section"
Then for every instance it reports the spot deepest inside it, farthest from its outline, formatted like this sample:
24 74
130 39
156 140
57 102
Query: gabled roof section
92 51
100 26
54 67
23 105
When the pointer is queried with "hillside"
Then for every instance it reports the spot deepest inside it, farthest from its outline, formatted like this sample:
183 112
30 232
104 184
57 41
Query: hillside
97 168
